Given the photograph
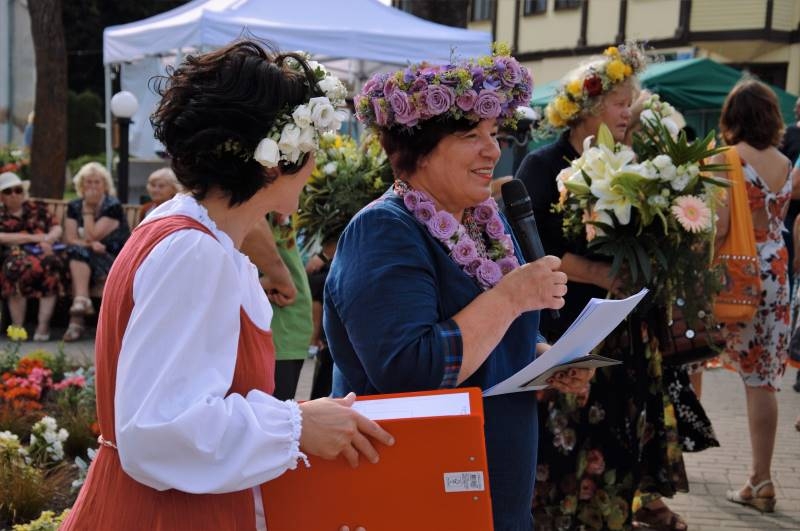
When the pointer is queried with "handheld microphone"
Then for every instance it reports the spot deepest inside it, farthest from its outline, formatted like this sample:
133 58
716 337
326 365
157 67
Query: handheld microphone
520 214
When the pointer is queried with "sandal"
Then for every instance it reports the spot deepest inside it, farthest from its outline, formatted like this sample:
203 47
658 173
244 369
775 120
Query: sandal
73 333
765 504
81 306
661 519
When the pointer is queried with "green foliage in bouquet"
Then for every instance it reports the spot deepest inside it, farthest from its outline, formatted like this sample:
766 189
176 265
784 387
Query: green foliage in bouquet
346 178
651 208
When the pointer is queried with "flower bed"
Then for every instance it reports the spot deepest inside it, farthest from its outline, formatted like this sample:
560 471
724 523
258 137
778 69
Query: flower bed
48 432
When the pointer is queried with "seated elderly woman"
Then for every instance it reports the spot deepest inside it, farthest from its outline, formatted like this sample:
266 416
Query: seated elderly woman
162 185
31 265
95 230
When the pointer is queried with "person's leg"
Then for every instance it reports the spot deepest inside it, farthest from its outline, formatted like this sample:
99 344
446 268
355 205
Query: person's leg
46 307
287 372
17 304
81 275
762 419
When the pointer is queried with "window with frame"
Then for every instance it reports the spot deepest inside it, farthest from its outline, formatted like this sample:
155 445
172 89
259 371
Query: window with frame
481 10
534 7
568 4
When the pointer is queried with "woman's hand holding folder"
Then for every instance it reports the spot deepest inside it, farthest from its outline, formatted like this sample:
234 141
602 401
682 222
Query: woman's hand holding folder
332 428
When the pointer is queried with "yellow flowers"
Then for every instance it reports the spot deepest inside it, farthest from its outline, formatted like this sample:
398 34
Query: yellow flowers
16 333
611 51
615 70
575 88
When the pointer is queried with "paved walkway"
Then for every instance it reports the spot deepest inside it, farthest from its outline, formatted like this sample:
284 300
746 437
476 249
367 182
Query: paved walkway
711 472
716 470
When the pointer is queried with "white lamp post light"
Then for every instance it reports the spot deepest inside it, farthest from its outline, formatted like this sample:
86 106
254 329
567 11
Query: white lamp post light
123 105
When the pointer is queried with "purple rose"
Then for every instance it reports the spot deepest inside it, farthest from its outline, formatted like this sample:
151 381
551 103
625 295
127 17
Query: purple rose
379 108
442 225
495 228
374 84
483 213
477 75
509 263
424 212
507 243
466 100
418 85
409 75
487 105
405 111
488 273
511 73
464 253
473 266
389 87
411 199
438 99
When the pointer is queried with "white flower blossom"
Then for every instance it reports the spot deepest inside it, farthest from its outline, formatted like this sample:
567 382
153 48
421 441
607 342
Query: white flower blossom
267 153
330 168
302 116
289 143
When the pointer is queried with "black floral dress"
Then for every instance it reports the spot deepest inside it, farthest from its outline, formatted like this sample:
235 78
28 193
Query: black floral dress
599 459
100 264
26 270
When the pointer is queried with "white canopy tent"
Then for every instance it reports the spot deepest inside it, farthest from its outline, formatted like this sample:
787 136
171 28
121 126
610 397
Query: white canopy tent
357 36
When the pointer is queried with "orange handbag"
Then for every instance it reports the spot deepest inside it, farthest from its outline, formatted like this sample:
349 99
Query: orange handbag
740 295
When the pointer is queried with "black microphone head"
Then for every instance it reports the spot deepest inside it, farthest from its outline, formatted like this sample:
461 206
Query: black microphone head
516 198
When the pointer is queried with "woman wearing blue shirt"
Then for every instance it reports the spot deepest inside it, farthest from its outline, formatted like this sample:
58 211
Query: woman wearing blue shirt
426 290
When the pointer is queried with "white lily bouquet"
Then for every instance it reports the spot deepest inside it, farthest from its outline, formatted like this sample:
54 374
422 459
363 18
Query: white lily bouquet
651 208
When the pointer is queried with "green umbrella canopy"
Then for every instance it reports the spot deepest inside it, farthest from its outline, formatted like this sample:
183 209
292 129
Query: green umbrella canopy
696 87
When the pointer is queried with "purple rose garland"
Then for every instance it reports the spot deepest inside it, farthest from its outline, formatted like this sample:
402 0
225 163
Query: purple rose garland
479 245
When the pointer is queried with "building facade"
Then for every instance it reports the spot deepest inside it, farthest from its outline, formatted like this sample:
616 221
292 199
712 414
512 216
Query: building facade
552 36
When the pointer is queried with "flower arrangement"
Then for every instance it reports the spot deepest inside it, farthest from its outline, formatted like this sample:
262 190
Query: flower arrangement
486 259
14 160
297 131
582 90
48 428
476 89
654 217
346 178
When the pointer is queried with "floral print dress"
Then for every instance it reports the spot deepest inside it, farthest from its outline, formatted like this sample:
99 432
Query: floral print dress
600 459
759 349
26 271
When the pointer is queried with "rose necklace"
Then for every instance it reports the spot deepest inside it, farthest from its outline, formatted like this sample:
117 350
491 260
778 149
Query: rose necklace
479 245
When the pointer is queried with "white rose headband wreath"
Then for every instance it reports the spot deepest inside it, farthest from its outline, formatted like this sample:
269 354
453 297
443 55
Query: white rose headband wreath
297 132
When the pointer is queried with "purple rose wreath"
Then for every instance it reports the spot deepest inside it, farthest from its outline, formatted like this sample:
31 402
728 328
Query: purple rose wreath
490 87
479 245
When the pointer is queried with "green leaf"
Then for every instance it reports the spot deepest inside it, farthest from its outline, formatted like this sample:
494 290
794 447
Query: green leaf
604 137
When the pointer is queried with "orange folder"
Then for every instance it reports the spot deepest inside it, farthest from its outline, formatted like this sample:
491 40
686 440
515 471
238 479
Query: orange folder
434 478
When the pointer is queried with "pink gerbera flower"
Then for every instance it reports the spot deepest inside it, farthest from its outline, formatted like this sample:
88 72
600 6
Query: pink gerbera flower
692 213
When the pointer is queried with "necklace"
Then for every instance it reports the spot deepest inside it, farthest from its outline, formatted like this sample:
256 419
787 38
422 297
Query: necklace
479 245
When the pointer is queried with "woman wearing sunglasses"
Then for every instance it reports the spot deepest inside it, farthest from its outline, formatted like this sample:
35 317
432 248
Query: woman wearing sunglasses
32 266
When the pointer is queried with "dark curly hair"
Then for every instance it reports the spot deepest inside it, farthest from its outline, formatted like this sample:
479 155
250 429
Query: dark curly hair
405 148
216 107
751 114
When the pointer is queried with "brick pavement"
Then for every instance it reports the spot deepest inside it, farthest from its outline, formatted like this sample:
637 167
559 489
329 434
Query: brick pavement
714 471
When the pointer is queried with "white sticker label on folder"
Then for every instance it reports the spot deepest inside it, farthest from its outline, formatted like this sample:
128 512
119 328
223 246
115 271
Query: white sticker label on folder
463 481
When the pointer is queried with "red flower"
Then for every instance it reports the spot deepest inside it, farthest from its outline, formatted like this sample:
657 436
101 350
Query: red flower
593 85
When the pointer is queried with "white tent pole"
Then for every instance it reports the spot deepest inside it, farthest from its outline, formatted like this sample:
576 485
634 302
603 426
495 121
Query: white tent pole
107 73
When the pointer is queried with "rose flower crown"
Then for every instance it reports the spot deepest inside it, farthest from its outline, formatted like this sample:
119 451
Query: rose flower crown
475 89
580 92
297 132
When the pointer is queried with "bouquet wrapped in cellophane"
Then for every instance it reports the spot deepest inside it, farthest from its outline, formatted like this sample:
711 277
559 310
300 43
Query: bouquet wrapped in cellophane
651 208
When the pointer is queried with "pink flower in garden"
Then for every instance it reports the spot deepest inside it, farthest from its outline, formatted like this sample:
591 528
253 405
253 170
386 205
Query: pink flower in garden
692 213
587 489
